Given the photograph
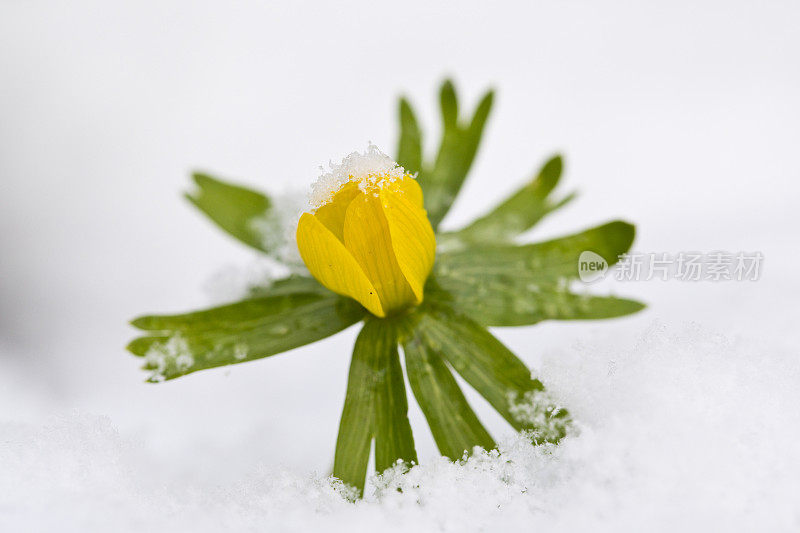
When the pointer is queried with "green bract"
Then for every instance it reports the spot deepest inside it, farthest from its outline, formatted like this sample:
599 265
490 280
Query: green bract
481 278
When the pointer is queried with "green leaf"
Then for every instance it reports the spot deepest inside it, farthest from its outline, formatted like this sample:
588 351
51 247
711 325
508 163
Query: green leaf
235 209
457 150
551 260
409 149
520 211
510 305
239 332
494 371
455 427
508 285
293 284
448 103
375 406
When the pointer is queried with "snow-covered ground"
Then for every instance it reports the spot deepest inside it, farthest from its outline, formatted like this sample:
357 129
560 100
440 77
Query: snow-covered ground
679 429
684 120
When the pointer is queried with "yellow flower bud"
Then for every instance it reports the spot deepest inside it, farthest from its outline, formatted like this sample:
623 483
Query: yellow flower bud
368 236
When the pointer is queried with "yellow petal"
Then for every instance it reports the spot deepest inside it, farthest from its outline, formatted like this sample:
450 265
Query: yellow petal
333 266
409 187
367 238
331 214
411 233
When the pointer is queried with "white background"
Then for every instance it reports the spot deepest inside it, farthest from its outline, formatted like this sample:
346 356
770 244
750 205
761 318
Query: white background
683 118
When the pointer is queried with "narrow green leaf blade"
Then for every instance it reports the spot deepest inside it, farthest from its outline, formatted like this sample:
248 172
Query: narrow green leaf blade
448 103
393 437
231 317
234 208
375 406
495 372
357 424
508 285
251 329
455 427
478 123
141 345
409 149
510 305
552 260
520 211
457 150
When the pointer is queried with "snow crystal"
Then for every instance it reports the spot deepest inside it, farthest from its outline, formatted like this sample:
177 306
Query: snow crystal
372 168
538 409
173 354
240 351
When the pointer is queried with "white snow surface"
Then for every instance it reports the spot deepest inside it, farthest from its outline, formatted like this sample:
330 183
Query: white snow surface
681 429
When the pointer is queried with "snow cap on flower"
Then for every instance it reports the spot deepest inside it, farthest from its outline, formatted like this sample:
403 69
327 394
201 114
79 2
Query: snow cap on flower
372 168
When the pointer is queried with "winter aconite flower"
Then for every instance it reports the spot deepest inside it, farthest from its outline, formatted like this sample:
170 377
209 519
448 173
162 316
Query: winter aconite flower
369 237
424 298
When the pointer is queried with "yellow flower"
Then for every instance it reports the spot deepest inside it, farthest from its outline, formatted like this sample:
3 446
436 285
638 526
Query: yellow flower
368 236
